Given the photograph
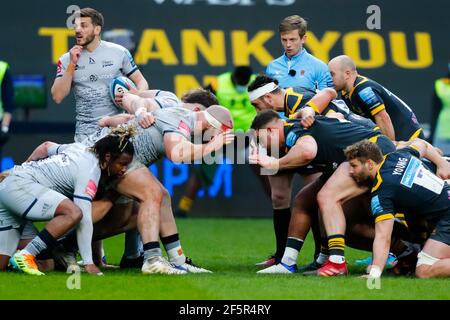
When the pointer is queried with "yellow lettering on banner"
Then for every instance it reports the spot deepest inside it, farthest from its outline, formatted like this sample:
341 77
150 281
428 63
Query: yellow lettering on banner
321 48
399 49
243 48
193 41
60 43
154 45
377 52
185 82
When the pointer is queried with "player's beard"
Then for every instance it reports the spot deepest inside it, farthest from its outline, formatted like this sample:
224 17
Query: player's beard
89 39
363 181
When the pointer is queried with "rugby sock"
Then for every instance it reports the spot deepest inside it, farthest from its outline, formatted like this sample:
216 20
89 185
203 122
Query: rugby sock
322 258
293 246
315 228
173 248
323 255
133 244
41 242
152 249
336 246
281 219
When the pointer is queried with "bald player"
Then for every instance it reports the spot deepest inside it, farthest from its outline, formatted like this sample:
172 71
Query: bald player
169 136
371 100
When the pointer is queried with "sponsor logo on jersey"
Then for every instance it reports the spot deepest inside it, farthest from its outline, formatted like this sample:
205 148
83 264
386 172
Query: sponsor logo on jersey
291 139
91 189
91 61
368 96
93 78
107 63
411 172
184 128
376 206
59 67
45 209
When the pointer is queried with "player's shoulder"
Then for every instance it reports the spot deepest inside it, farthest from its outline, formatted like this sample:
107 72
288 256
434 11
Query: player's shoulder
277 62
165 94
65 58
314 61
110 46
81 154
293 131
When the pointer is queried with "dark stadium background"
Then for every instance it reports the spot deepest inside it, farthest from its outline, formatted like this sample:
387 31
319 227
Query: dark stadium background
28 47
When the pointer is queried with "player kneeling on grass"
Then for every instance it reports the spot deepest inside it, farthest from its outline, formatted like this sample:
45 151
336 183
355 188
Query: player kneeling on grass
402 183
40 191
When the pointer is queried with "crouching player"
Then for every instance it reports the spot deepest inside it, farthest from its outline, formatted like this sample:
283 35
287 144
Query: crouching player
402 183
40 191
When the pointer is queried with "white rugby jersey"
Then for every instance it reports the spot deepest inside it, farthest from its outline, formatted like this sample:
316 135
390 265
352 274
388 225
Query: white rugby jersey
93 74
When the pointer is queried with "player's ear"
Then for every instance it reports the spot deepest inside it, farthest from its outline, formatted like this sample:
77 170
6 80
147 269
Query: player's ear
97 30
106 160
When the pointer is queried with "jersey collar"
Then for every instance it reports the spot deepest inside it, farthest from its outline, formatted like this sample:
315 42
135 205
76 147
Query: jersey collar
296 57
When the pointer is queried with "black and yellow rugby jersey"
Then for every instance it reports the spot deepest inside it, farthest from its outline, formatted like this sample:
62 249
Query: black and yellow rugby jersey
295 99
332 137
368 97
405 185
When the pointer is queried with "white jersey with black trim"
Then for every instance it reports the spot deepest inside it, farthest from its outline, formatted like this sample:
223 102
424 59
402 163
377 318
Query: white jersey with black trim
75 172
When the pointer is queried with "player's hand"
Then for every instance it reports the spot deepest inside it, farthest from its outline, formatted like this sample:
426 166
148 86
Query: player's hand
218 141
75 53
118 99
443 170
93 269
146 119
307 115
264 161
307 121
133 91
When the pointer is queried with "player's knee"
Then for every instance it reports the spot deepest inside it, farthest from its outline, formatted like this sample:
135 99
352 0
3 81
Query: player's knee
75 214
280 199
71 212
423 272
324 197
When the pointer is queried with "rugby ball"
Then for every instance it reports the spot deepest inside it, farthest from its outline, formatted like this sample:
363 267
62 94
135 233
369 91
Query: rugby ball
120 85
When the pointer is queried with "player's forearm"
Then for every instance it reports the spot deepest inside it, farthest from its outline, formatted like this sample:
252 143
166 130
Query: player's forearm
41 152
187 152
427 151
381 246
114 121
322 99
61 87
84 232
384 122
142 84
291 161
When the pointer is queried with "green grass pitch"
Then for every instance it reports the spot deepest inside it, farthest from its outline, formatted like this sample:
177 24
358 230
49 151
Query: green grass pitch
230 248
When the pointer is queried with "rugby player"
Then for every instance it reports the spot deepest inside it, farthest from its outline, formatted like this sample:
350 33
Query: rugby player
402 183
371 100
40 191
298 102
169 136
320 145
88 69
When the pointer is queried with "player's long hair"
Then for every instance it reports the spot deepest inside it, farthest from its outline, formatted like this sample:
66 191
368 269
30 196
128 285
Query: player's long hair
115 143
